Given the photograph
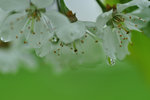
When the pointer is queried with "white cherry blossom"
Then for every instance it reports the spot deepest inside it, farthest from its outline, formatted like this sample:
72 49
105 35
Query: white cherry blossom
115 30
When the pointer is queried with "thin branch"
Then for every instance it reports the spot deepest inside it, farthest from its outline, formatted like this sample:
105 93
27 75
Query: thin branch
101 5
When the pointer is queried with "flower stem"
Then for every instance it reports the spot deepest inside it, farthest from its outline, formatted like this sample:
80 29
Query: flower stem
62 6
101 5
66 11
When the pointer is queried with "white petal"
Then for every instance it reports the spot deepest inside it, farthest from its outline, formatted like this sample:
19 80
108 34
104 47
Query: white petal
103 19
133 21
57 19
131 26
121 7
11 5
42 33
71 32
47 48
91 26
44 50
12 26
3 15
42 3
122 52
109 43
142 3
11 58
112 45
139 3
143 13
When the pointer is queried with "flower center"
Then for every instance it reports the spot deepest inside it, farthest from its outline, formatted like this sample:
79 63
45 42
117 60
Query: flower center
118 19
34 12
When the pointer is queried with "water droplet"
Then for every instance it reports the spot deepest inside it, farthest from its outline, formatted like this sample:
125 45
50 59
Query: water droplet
54 39
111 61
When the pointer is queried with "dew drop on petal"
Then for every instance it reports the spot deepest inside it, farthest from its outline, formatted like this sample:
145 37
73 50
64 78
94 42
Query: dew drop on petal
111 61
54 39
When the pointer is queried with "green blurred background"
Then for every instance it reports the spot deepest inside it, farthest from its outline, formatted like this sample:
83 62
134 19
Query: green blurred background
127 80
